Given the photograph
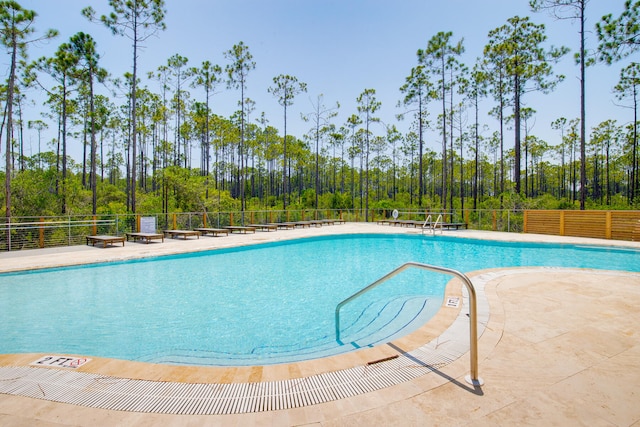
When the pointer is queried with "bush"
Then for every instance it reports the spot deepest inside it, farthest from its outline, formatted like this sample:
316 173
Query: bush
340 201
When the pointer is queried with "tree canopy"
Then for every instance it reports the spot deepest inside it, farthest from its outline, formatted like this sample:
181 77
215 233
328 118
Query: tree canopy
156 140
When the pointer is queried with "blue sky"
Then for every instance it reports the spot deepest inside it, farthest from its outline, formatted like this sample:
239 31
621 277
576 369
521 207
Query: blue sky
339 48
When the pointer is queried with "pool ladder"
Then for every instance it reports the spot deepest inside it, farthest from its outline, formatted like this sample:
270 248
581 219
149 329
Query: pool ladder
428 225
473 377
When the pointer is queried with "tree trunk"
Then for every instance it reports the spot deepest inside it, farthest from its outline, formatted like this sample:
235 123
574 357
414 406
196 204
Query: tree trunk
517 136
583 159
94 169
9 110
134 127
285 189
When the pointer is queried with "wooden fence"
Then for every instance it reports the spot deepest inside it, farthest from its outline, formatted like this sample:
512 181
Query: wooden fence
615 225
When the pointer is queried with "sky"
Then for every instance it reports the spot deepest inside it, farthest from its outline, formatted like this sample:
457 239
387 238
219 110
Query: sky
338 48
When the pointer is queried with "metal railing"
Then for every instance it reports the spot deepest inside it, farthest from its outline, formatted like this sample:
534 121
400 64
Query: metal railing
66 230
432 225
473 377
52 232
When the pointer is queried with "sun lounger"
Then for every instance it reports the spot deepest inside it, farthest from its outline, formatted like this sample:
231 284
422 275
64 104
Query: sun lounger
106 240
283 225
302 224
183 233
413 223
145 237
213 231
289 224
444 225
456 225
409 223
264 227
240 229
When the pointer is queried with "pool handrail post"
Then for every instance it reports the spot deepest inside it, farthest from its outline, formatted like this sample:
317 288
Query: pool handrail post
473 377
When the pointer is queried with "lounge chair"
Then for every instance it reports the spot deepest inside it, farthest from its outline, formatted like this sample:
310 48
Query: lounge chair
106 240
264 227
240 229
213 231
145 237
283 225
302 224
183 233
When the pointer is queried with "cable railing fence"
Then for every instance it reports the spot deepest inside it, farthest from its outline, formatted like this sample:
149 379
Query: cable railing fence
52 231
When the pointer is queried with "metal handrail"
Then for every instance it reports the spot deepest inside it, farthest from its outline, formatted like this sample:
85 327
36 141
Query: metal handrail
432 227
435 225
473 378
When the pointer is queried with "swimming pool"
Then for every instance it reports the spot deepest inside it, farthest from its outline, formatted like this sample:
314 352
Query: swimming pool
263 304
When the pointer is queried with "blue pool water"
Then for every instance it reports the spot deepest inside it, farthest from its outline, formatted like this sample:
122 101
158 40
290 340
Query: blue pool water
264 304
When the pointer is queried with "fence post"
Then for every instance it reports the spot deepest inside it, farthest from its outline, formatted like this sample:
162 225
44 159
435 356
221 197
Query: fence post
494 221
562 223
137 223
608 225
41 233
204 220
175 221
94 227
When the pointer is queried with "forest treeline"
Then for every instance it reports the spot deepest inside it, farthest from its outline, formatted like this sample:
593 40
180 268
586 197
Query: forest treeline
162 148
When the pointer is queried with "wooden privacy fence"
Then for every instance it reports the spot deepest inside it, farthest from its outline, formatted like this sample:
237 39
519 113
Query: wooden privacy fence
616 225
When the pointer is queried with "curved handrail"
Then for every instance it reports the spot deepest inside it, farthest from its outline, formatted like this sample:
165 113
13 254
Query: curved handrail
473 378
435 225
432 226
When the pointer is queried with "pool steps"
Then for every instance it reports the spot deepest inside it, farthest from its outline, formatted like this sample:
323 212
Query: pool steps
379 322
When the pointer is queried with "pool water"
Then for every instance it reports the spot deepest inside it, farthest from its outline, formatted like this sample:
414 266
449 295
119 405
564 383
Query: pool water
262 304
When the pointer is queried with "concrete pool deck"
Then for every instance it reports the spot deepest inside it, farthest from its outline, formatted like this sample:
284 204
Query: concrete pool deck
560 346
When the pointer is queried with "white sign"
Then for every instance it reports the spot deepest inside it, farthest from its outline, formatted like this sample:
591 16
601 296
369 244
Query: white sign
453 302
148 224
395 214
61 361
